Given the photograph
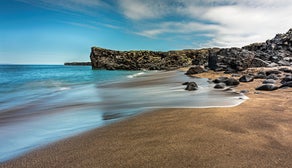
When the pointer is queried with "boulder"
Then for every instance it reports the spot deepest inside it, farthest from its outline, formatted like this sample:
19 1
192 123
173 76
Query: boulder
260 75
272 76
284 63
231 82
267 87
273 64
220 80
287 70
276 72
269 81
191 86
286 79
246 78
287 84
195 70
257 62
220 86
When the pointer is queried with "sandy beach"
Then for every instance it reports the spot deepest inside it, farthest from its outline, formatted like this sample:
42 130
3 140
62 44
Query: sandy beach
257 133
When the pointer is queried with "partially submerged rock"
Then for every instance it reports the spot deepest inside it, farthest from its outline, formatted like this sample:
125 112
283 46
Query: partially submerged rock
220 80
220 86
191 86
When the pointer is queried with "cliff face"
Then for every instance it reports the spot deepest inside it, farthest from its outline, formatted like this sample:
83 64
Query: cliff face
151 60
277 51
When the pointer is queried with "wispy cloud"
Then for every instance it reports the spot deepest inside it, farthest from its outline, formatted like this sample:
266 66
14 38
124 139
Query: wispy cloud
178 28
224 23
83 6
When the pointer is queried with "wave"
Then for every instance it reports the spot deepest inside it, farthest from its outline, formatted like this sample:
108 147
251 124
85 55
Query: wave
136 75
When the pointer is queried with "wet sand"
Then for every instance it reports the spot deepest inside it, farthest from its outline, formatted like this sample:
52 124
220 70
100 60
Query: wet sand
257 133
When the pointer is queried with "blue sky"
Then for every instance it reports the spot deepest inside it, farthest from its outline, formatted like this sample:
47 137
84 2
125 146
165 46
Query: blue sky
54 31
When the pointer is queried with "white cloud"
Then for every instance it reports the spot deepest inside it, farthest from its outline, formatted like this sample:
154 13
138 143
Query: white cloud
242 25
148 9
177 27
238 23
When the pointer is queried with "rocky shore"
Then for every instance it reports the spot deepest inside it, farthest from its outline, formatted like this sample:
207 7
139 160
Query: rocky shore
257 133
272 53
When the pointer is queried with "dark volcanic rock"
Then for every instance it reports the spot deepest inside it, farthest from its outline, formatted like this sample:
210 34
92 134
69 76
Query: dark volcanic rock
287 70
287 84
191 86
231 82
276 72
195 70
260 75
246 78
272 76
220 86
284 63
286 79
269 81
220 80
78 63
257 62
236 59
267 87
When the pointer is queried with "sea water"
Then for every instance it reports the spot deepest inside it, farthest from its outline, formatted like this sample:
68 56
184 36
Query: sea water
40 104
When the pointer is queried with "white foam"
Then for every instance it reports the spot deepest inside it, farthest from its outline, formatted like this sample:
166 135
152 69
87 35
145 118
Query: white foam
136 75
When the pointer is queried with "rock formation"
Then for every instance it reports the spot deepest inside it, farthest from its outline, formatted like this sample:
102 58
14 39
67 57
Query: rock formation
78 63
274 52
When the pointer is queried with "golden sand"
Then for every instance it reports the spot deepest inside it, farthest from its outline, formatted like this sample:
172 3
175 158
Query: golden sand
257 133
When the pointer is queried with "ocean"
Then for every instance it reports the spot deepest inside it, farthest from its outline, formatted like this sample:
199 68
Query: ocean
40 104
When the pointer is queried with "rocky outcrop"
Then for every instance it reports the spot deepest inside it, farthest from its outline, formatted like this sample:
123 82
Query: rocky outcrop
137 60
274 52
277 50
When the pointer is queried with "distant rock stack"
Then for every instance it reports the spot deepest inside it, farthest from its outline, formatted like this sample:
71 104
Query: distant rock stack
274 52
78 63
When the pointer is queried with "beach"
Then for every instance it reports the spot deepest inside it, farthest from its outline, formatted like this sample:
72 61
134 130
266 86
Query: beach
256 133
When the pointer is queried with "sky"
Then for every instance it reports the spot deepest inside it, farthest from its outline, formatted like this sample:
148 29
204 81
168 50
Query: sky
58 31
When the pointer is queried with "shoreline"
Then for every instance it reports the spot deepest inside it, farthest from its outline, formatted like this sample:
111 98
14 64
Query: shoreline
256 133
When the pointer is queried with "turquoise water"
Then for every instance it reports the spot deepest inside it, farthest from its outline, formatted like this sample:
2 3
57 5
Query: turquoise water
40 104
